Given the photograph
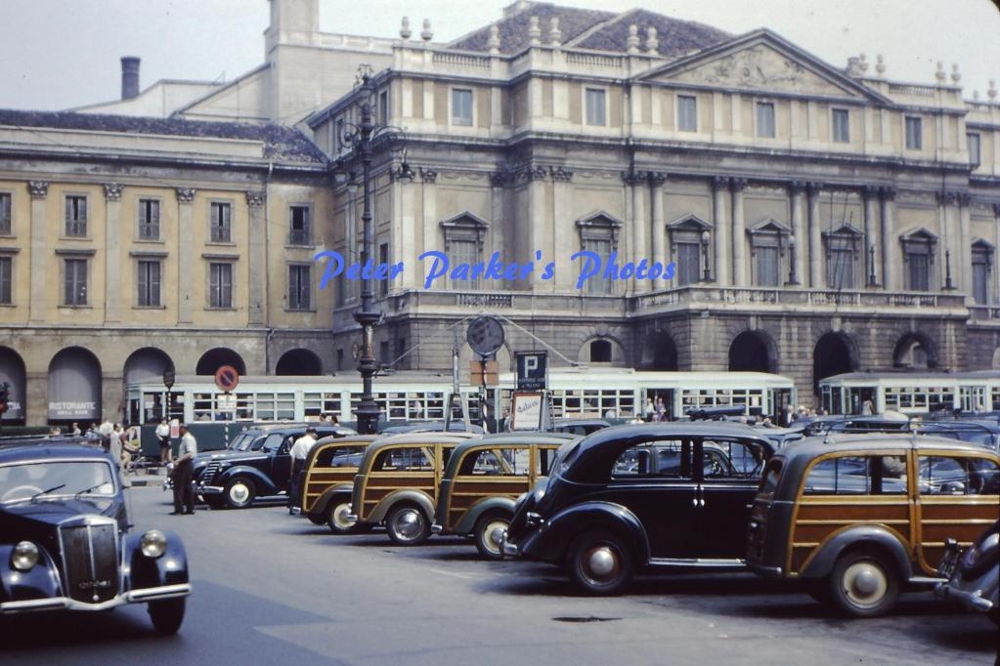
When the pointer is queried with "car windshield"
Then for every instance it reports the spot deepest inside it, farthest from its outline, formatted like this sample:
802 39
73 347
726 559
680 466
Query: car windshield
39 481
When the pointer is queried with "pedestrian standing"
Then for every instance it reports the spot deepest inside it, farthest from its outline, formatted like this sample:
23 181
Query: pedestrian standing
299 452
184 473
163 436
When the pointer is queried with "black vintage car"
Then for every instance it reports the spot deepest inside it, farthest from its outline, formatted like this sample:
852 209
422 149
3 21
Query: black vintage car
255 466
649 495
65 542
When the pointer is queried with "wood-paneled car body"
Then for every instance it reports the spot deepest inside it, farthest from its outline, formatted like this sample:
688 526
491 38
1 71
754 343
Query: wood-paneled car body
484 477
328 481
857 518
397 483
648 495
65 539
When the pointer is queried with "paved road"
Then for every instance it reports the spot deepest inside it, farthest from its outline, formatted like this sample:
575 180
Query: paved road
270 588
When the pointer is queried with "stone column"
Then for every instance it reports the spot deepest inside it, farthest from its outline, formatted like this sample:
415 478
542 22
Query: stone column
41 250
950 274
737 185
185 258
964 252
258 258
720 185
562 209
815 239
890 258
540 231
405 243
499 181
636 181
429 223
657 179
872 237
113 246
798 229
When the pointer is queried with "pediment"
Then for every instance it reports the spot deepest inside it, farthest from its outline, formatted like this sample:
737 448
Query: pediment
764 62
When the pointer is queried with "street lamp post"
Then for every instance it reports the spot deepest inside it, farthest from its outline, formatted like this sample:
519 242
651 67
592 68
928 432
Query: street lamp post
360 138
704 250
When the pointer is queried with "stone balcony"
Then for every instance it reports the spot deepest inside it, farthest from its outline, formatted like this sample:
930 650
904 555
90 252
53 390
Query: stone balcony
701 299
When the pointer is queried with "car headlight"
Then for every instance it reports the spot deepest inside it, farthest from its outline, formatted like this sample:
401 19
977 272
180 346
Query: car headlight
24 556
153 543
981 550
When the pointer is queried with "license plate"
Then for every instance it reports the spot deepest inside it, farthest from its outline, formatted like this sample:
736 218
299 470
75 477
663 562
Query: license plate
948 563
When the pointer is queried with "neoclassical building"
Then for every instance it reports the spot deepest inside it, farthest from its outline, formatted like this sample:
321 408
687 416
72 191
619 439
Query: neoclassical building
736 202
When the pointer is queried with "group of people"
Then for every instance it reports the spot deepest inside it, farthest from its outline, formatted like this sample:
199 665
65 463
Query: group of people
655 411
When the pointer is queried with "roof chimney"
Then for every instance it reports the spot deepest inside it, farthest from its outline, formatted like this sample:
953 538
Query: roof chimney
130 77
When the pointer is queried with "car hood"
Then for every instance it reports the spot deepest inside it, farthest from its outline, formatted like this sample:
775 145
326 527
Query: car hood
229 457
43 515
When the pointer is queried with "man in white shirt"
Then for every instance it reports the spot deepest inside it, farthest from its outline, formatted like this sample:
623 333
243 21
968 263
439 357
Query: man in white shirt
299 452
184 473
163 436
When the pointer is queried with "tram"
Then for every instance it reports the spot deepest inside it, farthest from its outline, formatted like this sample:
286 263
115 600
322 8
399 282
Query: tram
911 392
615 393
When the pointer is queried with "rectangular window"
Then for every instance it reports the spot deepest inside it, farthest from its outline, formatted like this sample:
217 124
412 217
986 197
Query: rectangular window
595 105
220 285
599 285
841 126
688 263
299 232
461 106
149 219
221 215
6 280
299 283
75 282
383 107
840 268
687 113
465 252
765 120
6 227
920 271
148 281
975 149
914 133
768 266
980 281
76 215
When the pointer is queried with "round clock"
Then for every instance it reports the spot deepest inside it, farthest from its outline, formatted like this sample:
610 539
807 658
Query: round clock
485 335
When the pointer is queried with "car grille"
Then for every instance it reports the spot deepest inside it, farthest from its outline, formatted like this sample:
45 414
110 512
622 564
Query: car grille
208 474
90 560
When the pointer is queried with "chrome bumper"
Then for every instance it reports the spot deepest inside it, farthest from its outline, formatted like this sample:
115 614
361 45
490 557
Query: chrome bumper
507 548
436 529
973 600
208 490
65 603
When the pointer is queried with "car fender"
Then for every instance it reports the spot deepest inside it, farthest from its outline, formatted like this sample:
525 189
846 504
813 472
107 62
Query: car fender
41 582
821 562
265 486
499 504
171 568
328 495
417 497
552 541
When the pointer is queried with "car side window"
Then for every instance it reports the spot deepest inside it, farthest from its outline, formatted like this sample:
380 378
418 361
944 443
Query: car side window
723 459
958 475
273 442
670 459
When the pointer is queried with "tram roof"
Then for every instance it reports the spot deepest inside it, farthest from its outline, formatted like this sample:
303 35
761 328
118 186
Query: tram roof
910 377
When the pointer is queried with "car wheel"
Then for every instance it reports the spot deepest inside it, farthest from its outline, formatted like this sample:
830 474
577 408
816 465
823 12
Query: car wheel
600 563
863 584
489 529
407 525
337 513
240 493
167 615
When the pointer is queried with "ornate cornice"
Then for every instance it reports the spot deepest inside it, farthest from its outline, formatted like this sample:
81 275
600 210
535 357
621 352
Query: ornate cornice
634 177
737 184
501 178
113 191
946 198
428 175
561 175
536 172
657 178
798 187
814 188
964 199
185 195
720 182
256 198
888 193
39 189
